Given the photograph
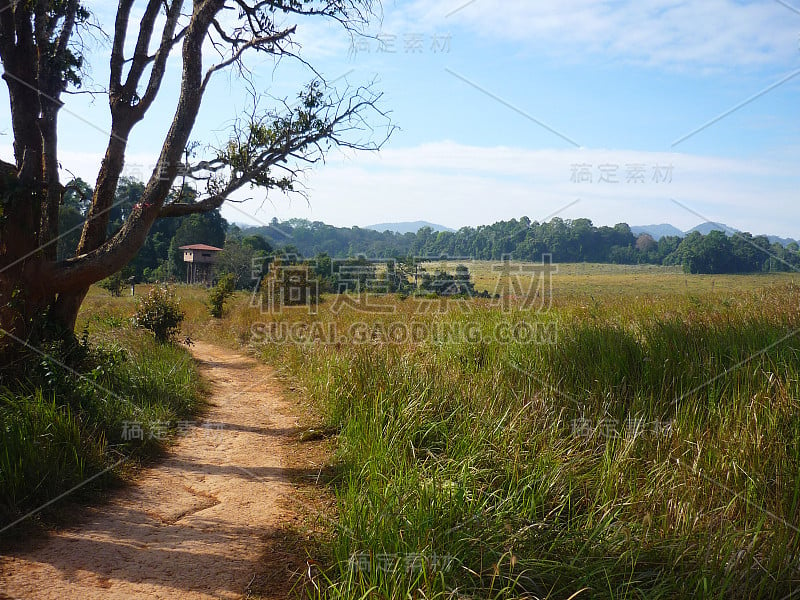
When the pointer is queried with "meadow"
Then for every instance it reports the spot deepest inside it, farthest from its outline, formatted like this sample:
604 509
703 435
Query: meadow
635 434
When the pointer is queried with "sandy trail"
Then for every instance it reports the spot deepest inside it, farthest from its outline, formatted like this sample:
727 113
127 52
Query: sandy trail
200 524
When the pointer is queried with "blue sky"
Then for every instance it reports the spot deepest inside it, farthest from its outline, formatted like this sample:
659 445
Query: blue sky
510 108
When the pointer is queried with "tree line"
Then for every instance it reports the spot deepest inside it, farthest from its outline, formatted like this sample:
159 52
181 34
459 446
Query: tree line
577 240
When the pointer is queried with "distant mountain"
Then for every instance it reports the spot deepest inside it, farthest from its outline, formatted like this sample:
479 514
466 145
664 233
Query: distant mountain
709 226
407 226
657 231
782 241
664 229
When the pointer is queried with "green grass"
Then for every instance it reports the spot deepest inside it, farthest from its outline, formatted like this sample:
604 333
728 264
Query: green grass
61 427
653 451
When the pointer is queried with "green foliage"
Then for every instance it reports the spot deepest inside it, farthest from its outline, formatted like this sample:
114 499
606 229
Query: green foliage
159 259
220 293
206 228
115 283
278 132
575 240
160 312
290 282
71 215
244 259
443 283
61 426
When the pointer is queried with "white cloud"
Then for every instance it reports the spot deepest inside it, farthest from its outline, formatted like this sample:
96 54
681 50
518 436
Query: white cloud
707 34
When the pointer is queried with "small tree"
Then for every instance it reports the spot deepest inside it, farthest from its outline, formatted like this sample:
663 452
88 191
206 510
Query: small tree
219 294
113 284
160 312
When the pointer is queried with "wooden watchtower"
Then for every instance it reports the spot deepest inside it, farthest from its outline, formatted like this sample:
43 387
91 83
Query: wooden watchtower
199 259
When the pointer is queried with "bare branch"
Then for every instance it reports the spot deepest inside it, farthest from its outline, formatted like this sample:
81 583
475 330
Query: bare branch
168 41
140 52
264 142
260 43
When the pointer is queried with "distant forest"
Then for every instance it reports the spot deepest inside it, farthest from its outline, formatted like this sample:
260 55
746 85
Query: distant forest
576 240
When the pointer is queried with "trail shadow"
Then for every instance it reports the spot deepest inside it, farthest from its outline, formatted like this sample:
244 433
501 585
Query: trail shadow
243 365
271 431
175 556
305 474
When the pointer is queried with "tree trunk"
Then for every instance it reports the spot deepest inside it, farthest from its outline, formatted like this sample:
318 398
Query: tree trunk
31 313
24 309
65 309
30 309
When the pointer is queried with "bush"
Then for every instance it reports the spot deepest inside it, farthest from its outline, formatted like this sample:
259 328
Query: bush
220 293
160 312
112 284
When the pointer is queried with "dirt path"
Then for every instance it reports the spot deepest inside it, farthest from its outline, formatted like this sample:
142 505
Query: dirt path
203 523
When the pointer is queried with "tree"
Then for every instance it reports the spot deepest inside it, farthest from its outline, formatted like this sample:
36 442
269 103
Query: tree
645 242
706 253
42 57
241 262
220 293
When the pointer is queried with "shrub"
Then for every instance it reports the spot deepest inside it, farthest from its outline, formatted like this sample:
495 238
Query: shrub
220 293
113 284
160 312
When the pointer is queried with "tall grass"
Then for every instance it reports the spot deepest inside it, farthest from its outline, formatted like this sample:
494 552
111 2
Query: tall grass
653 451
68 418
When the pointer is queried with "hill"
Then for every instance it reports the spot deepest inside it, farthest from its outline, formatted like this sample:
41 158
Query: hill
657 231
709 226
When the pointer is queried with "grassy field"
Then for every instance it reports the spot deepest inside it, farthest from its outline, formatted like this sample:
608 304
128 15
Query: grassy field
575 280
636 434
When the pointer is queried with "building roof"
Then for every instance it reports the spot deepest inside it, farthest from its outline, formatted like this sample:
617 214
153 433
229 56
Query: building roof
200 247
